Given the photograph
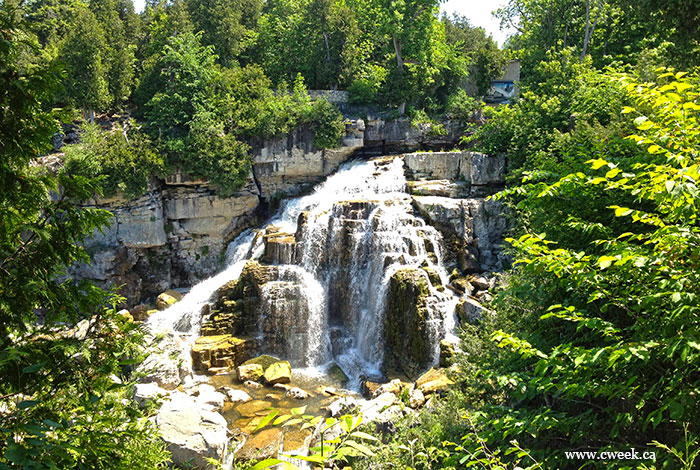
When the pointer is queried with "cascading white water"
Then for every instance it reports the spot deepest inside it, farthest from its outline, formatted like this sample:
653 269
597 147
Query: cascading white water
360 228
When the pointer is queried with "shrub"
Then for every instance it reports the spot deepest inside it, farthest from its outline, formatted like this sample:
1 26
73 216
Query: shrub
124 158
327 124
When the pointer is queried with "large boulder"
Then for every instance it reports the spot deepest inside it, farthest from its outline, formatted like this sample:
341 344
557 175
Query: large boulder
167 299
191 433
214 353
435 380
250 372
148 393
263 445
406 331
161 369
278 373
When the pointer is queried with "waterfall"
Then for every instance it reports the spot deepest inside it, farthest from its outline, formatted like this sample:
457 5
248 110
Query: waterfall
334 252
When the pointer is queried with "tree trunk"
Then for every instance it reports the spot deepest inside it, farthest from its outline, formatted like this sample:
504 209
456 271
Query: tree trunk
328 48
589 29
399 64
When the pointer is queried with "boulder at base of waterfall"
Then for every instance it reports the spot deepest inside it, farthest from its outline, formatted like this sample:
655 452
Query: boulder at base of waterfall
168 298
337 374
161 369
406 330
416 399
211 353
263 445
342 406
212 399
253 408
236 396
394 387
264 360
278 373
435 380
297 393
191 433
368 387
470 310
374 409
250 372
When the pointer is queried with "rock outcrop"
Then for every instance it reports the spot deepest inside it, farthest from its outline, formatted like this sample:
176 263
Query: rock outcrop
211 354
176 234
406 332
449 190
191 432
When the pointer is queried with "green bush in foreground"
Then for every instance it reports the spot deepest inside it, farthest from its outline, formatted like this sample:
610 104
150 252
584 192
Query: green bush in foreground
64 391
595 337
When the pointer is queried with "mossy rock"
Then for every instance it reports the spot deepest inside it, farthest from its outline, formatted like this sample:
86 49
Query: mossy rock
264 360
237 306
433 276
337 374
167 299
405 322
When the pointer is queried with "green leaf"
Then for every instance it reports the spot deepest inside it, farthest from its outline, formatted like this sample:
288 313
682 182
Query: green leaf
23 405
269 417
360 447
597 164
129 362
606 261
363 435
298 411
613 173
292 422
269 463
622 212
311 458
281 420
33 368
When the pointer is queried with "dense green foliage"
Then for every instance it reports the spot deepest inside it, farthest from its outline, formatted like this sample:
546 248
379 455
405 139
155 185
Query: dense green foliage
63 391
627 31
124 157
593 341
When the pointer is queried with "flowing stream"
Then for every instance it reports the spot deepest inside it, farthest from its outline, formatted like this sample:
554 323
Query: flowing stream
358 229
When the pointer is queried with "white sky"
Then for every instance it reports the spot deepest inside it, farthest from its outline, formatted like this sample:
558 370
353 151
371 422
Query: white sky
478 12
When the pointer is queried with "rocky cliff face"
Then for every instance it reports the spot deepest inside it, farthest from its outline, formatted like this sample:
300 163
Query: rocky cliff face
177 233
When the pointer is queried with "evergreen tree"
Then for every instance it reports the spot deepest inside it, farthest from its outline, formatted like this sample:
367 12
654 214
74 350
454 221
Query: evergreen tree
83 52
64 391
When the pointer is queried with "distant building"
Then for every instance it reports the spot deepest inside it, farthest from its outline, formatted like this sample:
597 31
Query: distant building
505 89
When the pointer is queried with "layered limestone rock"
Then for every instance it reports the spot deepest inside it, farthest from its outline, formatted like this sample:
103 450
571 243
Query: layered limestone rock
477 170
434 381
237 306
478 223
405 322
291 164
212 354
174 235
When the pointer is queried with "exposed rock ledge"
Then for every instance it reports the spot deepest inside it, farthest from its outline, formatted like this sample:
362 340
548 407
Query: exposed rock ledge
176 234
